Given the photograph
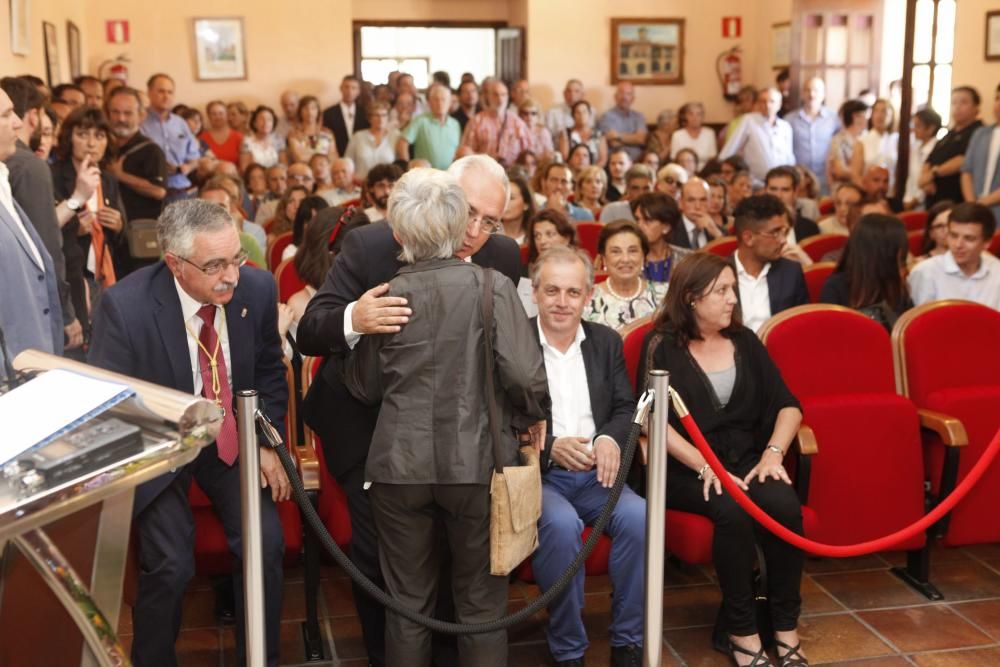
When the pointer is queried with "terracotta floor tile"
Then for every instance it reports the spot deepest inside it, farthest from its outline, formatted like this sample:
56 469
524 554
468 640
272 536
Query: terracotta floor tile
967 658
198 647
125 620
965 580
869 590
347 638
888 661
939 554
199 609
694 646
985 614
839 637
815 600
690 606
927 628
338 597
983 551
293 603
532 630
676 573
825 565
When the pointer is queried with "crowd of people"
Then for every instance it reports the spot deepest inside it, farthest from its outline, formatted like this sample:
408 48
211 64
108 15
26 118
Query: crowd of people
129 221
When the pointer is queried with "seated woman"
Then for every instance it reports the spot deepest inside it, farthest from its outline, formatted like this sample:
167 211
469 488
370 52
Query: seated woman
740 187
657 216
718 203
749 417
308 137
284 214
255 180
584 132
651 160
870 274
541 138
591 185
670 179
547 228
304 215
626 295
693 135
659 139
935 240
238 117
520 209
580 157
432 453
687 158
262 146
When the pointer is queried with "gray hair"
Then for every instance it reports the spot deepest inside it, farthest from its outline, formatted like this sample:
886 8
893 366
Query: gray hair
565 255
428 215
181 221
486 166
639 170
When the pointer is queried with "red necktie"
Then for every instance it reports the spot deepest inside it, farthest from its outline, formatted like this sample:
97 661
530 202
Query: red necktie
227 441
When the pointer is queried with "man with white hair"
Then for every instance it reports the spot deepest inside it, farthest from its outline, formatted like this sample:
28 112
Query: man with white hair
353 302
434 135
560 118
342 180
763 139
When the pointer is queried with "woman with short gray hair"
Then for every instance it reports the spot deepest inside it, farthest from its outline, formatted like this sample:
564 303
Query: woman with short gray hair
432 453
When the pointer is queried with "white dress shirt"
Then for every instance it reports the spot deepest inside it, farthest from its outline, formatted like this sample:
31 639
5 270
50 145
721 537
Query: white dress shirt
763 145
189 312
698 238
755 296
348 111
567 376
939 277
991 160
7 199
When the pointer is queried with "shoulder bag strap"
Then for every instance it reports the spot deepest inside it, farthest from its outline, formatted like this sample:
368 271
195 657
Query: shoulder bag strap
491 399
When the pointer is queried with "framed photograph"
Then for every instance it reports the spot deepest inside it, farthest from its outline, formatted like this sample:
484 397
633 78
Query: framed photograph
781 45
219 49
52 70
20 33
647 51
993 35
73 47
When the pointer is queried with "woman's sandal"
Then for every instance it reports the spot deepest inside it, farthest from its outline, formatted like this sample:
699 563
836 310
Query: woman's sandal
793 658
760 658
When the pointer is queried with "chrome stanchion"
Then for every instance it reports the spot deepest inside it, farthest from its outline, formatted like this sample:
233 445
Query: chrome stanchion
253 567
656 497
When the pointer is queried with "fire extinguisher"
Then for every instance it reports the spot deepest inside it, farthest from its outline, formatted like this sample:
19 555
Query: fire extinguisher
116 68
729 66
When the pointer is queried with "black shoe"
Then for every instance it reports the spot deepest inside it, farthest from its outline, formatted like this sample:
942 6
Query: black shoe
758 659
575 662
626 656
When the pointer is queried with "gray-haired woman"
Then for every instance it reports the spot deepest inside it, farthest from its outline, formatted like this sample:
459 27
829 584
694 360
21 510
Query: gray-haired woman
431 454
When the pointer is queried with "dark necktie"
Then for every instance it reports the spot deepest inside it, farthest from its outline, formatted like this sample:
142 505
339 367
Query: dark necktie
215 386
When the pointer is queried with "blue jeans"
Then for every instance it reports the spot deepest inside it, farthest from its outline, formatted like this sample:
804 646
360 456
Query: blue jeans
569 501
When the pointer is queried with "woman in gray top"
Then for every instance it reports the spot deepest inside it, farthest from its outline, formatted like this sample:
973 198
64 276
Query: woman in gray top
431 454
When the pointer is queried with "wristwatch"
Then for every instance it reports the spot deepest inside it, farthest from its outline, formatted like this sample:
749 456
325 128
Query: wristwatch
73 204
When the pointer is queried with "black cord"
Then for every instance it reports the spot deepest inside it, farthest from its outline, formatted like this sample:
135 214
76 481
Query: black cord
502 623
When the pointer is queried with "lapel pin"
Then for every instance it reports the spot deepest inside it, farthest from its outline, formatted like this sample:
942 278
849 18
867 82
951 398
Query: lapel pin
243 314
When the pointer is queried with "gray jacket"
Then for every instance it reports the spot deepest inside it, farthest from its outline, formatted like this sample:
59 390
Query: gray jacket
433 424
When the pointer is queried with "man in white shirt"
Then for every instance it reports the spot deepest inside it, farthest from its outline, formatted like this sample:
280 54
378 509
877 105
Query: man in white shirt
966 271
767 282
699 228
342 187
764 141
560 117
592 405
346 117
289 107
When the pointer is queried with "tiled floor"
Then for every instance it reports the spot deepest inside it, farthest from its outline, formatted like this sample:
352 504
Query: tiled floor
855 612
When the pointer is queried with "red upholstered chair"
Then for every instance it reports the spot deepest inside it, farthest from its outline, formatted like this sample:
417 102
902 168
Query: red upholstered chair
826 206
915 239
633 335
994 246
586 236
867 478
914 221
957 388
276 247
820 244
724 246
815 276
600 276
288 280
525 252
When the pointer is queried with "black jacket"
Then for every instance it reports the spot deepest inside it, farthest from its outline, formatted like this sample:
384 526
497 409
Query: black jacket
333 119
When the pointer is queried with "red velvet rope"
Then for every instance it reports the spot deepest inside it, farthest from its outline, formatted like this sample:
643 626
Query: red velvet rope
833 550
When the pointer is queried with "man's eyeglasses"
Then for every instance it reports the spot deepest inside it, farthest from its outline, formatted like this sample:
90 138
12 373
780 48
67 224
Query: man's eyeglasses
217 266
776 234
492 225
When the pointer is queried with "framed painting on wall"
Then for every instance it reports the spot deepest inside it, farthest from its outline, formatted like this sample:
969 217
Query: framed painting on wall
73 47
52 69
219 49
781 45
993 35
20 33
647 51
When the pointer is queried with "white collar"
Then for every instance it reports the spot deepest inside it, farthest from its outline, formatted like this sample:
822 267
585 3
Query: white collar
4 171
189 307
951 266
741 272
580 337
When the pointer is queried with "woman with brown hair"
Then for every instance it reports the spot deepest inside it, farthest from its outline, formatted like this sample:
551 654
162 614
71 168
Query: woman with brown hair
222 140
547 228
749 417
626 295
309 137
284 214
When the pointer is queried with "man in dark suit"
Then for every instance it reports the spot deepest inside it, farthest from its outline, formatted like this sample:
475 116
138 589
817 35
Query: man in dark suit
346 117
353 302
783 183
767 282
200 323
592 407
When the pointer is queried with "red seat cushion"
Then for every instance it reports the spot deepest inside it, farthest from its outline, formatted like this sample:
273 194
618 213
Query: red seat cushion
689 537
633 350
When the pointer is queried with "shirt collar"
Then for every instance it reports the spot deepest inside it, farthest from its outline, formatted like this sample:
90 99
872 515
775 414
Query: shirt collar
951 267
742 273
580 337
4 171
189 307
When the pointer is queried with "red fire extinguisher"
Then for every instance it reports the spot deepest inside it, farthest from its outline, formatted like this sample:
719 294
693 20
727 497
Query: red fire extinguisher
729 66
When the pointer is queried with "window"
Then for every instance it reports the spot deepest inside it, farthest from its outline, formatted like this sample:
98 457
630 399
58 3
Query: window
838 47
933 50
422 50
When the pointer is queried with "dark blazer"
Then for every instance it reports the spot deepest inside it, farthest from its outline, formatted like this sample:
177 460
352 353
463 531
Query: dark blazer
786 285
139 331
368 257
612 400
805 227
333 119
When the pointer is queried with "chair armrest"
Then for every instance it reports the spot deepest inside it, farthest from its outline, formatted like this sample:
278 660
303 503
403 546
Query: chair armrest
806 447
643 448
949 429
306 462
805 441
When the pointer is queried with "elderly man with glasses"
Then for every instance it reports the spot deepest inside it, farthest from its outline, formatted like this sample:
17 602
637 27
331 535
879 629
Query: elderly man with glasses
177 323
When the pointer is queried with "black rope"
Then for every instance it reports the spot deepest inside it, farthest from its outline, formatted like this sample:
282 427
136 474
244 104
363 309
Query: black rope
502 623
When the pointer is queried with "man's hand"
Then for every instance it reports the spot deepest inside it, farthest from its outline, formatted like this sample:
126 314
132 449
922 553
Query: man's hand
572 453
537 432
110 218
608 460
273 475
707 224
88 177
794 252
374 313
74 334
556 202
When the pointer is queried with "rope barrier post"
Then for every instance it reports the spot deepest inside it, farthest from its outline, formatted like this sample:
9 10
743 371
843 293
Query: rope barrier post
656 509
253 566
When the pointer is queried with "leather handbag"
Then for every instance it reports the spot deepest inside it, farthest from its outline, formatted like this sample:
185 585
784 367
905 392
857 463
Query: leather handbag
142 241
515 491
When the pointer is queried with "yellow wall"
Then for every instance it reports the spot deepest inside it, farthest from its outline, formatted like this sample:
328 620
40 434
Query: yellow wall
56 12
430 10
969 66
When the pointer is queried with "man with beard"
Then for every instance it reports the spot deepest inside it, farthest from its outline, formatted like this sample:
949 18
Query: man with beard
353 302
378 185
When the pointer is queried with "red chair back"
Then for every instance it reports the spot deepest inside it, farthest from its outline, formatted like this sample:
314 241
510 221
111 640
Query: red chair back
994 246
914 221
816 276
915 239
826 206
600 277
277 247
586 236
821 244
288 280
525 252
724 246
633 336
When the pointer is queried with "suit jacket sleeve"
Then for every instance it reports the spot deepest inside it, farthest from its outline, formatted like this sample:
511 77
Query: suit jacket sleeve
503 254
801 292
363 371
519 364
110 345
622 397
269 365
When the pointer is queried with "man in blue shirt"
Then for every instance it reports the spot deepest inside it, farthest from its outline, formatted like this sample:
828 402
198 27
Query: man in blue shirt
171 133
981 168
813 127
557 186
621 125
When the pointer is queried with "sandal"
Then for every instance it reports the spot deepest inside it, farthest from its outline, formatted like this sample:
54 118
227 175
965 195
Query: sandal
792 657
760 658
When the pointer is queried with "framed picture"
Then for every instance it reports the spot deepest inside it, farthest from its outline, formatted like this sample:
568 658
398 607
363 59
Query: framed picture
52 69
20 33
647 51
73 47
219 49
993 35
781 45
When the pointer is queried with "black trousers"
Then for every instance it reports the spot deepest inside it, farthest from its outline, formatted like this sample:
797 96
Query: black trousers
165 531
733 552
406 517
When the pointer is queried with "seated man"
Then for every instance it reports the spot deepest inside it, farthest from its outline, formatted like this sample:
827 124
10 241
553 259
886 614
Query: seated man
592 406
618 165
967 271
557 186
875 182
639 180
767 282
698 228
378 185
342 182
846 196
